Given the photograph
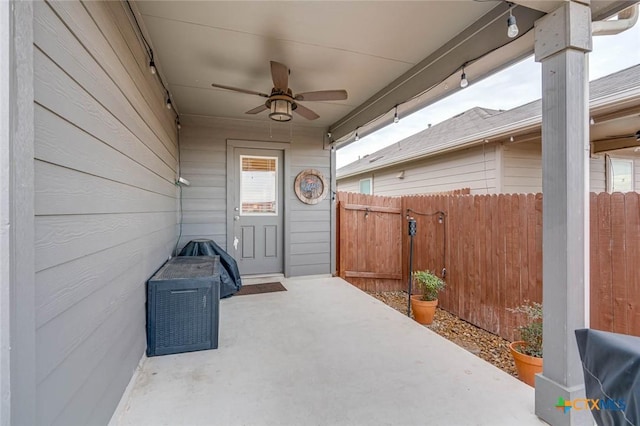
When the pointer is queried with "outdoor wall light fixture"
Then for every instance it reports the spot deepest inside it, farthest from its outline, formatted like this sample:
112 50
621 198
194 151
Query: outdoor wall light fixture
592 121
512 27
280 110
463 79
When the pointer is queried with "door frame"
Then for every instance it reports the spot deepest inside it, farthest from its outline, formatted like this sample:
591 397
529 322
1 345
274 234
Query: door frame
283 146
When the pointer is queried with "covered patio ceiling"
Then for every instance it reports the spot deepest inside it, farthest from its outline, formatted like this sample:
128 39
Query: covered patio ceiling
383 53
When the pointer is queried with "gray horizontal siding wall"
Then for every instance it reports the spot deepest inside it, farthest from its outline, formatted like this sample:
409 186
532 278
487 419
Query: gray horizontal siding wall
350 184
105 205
203 147
523 169
597 173
469 168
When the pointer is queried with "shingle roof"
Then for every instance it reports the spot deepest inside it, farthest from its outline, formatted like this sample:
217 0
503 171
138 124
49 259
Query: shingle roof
449 133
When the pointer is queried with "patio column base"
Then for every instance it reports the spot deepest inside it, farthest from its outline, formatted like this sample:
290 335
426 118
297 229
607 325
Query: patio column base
547 394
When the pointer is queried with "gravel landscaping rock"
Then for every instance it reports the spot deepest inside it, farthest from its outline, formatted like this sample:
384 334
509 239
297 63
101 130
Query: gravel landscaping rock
487 346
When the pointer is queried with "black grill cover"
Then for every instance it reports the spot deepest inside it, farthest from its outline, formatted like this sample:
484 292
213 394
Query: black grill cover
611 366
230 281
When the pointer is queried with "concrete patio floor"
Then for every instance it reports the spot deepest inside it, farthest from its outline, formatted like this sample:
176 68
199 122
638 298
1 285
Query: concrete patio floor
323 353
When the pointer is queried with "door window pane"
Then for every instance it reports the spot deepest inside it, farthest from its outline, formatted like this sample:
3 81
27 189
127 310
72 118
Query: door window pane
258 185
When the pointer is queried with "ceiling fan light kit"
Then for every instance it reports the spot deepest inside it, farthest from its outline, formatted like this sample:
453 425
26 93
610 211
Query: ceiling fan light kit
282 102
280 110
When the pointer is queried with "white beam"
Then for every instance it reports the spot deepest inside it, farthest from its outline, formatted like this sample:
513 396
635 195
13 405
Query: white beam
545 6
563 38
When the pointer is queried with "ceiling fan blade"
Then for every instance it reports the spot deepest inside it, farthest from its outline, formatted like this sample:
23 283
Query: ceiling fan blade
280 76
257 110
235 89
306 112
322 95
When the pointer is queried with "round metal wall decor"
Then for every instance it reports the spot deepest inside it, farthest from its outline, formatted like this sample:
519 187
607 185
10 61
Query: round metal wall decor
311 186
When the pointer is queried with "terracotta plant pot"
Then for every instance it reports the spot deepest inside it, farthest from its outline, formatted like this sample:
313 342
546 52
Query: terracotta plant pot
527 366
423 311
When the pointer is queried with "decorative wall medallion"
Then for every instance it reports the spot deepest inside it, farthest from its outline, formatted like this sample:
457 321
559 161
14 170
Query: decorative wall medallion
311 186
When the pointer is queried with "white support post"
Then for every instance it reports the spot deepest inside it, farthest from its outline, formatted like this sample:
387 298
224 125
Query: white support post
5 213
563 39
17 230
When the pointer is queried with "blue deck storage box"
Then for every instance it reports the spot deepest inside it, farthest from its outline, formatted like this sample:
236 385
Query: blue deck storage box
183 300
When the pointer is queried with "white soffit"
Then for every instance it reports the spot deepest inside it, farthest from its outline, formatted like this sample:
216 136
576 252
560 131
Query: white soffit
361 46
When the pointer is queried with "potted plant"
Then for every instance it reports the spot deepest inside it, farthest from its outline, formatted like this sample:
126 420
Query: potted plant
527 352
424 305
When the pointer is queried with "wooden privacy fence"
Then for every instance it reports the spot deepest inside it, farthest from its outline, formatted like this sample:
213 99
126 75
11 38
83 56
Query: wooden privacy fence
490 250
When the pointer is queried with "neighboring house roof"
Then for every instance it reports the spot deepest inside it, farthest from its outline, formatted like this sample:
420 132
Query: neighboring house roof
472 126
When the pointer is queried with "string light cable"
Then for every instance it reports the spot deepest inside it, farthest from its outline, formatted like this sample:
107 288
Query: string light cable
145 43
154 71
152 65
430 88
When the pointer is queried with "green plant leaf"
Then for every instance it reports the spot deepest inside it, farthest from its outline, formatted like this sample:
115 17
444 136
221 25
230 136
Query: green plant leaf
429 283
531 332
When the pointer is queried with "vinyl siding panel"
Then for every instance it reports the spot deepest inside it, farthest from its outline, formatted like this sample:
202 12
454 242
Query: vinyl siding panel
105 204
521 173
470 168
350 184
522 168
203 154
597 174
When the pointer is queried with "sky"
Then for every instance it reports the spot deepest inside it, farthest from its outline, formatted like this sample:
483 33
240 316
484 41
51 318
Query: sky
512 87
